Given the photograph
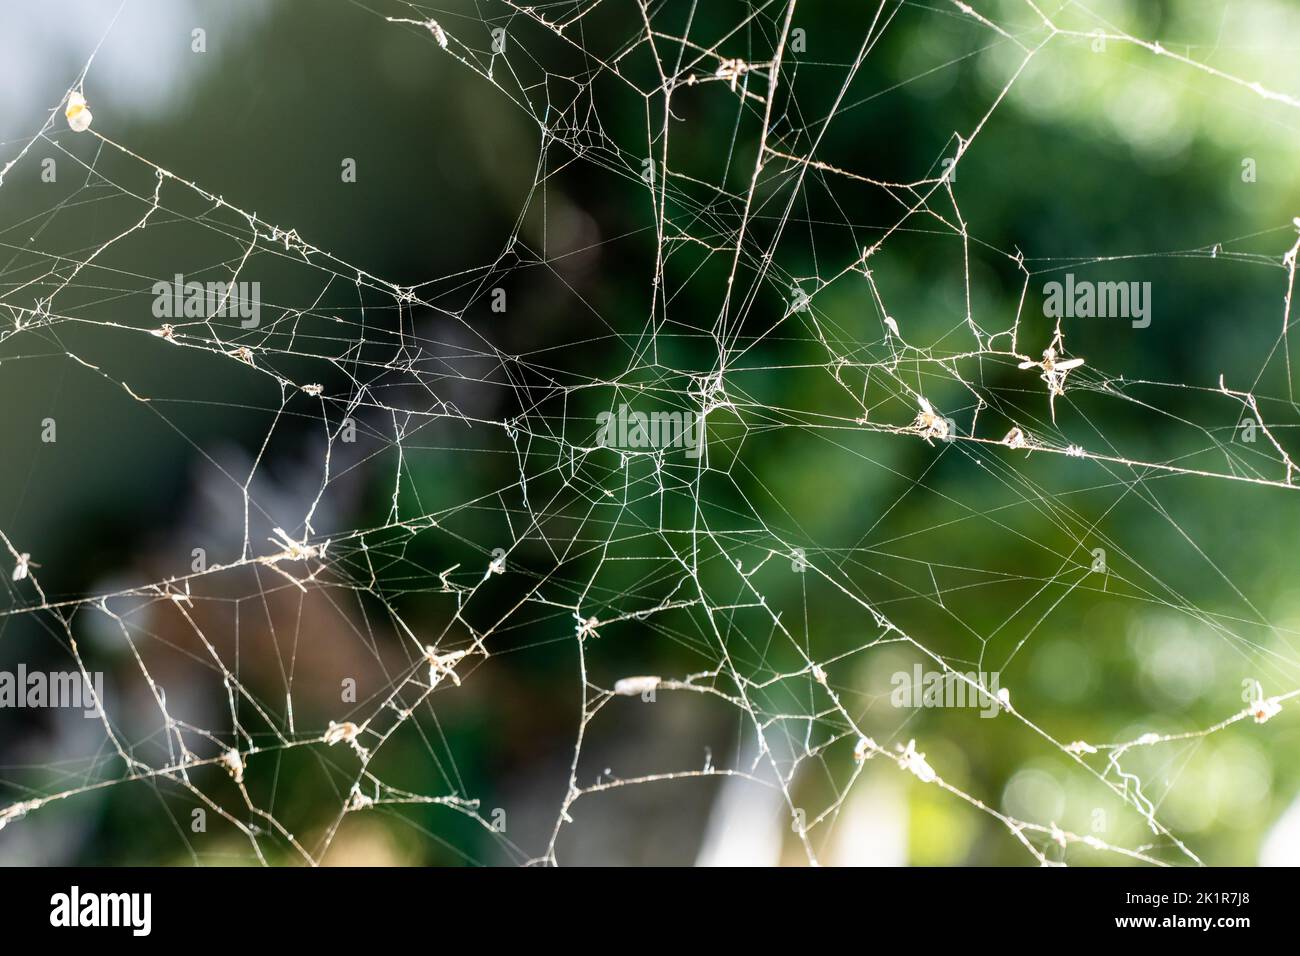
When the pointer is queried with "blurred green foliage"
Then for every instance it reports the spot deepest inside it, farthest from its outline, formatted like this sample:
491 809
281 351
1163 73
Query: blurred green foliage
1089 156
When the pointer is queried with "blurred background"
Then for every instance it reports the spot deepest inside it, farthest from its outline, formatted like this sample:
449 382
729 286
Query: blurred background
523 169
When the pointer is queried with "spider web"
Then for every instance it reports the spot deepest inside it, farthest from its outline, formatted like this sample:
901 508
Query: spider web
981 470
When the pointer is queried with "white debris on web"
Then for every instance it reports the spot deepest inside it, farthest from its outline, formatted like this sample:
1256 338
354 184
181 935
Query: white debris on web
16 811
439 34
358 801
233 761
1265 710
909 759
344 732
636 686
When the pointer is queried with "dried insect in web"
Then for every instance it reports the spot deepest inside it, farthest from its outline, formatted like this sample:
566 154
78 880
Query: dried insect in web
23 567
78 115
296 550
1054 369
1015 439
730 70
930 423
